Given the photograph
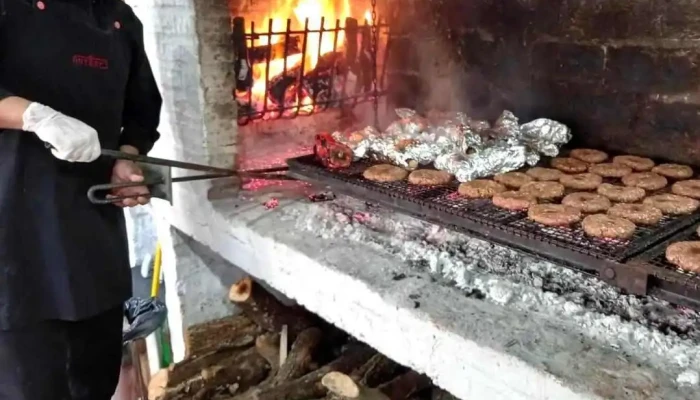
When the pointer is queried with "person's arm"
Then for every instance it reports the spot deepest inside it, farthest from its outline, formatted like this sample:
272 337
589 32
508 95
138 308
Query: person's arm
143 102
12 109
69 139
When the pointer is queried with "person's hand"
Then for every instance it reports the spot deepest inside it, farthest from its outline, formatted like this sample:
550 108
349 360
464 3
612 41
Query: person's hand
70 139
125 171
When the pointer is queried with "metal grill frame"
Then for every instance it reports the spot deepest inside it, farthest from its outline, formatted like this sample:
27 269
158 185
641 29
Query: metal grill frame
667 281
245 36
629 271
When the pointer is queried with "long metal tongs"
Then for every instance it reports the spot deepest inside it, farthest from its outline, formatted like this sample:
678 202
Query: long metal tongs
158 177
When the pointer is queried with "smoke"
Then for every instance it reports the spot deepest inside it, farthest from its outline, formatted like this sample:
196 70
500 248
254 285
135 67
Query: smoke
454 62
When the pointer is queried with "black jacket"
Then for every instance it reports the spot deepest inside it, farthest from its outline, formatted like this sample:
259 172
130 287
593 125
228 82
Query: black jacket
60 256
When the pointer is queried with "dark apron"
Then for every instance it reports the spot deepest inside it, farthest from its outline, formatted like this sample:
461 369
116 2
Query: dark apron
60 256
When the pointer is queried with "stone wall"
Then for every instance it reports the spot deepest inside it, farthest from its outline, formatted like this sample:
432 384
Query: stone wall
623 74
191 73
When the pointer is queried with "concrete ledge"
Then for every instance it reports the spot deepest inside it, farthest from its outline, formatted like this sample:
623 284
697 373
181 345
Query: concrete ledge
474 348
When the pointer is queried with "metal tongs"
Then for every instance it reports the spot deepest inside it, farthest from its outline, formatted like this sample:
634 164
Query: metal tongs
158 176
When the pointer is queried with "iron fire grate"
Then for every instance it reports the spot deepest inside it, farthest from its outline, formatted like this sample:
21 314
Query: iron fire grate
443 205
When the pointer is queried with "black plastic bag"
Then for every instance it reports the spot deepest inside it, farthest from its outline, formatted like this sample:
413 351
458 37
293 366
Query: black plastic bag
144 316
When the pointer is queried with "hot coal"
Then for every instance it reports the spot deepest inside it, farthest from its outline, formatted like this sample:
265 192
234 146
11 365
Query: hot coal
329 81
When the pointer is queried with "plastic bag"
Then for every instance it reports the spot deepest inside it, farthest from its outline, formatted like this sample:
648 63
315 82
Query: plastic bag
144 317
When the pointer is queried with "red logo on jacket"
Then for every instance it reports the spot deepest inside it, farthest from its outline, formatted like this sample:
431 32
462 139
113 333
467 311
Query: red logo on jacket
90 61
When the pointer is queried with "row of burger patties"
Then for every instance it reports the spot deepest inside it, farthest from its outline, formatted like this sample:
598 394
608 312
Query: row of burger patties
466 148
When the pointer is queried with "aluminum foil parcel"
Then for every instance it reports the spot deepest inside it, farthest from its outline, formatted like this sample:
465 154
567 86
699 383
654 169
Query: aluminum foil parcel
414 140
490 161
357 140
454 142
545 136
409 124
507 146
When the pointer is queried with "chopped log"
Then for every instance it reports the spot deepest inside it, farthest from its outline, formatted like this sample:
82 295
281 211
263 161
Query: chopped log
309 386
268 346
406 385
157 384
268 312
377 370
345 387
193 366
235 331
247 369
403 387
439 394
299 359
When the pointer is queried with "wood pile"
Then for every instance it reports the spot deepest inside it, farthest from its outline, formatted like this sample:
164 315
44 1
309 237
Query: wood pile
277 352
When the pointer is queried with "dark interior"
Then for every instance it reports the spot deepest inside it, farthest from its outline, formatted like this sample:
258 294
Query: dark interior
622 74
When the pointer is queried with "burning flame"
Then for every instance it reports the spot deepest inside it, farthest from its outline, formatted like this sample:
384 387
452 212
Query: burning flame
300 11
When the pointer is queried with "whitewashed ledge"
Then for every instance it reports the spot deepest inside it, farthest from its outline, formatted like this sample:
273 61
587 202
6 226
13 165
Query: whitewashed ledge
504 327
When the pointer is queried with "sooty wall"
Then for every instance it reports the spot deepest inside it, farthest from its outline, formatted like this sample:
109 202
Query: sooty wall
623 74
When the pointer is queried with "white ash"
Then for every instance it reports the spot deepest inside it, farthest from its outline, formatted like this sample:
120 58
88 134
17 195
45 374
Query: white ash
688 378
645 328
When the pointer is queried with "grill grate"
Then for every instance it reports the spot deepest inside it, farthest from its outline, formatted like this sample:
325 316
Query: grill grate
658 257
430 201
575 237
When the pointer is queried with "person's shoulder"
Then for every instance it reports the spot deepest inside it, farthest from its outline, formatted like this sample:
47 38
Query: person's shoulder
126 13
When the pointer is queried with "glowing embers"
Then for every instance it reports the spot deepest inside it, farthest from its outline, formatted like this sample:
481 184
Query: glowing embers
303 57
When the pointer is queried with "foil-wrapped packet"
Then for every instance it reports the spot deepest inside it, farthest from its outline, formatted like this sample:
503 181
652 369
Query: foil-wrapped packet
392 150
477 125
507 128
465 147
357 140
412 141
532 157
409 124
490 161
545 136
471 130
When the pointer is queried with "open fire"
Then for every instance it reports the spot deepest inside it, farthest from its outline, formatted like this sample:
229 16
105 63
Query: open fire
304 56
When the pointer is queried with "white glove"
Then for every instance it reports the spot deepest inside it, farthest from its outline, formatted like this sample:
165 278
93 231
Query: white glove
71 140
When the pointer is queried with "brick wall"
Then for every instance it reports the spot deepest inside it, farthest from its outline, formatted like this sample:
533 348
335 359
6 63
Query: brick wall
623 74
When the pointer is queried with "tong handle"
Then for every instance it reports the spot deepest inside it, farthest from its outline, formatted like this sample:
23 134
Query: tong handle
108 187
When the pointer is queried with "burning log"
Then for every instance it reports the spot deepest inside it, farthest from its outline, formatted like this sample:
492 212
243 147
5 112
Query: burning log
259 54
268 312
318 84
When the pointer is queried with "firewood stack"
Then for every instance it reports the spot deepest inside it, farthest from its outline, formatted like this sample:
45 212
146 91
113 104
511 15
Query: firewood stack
247 357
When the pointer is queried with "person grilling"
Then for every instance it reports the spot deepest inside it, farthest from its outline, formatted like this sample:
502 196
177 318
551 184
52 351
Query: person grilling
74 79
